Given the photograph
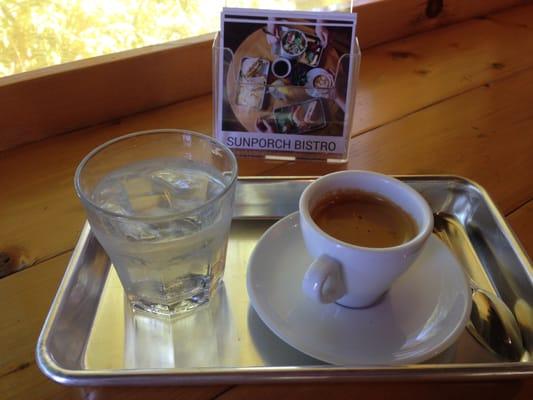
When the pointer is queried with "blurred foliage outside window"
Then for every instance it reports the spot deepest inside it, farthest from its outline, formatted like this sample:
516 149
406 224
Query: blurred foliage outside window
39 33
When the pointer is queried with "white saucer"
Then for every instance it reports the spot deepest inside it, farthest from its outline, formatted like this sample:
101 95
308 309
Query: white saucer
422 314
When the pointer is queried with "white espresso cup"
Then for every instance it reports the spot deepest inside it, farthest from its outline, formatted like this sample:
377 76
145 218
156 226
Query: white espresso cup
351 275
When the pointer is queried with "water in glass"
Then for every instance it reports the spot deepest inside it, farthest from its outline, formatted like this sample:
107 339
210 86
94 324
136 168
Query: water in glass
168 235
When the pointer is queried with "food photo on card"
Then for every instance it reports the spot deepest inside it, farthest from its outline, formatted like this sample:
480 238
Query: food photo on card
285 79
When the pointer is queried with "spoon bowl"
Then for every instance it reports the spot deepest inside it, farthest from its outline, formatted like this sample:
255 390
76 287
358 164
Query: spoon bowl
491 322
494 326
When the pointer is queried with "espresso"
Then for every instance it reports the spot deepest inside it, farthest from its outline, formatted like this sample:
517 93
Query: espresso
364 219
281 68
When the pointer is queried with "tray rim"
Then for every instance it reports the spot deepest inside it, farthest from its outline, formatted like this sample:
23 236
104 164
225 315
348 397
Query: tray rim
291 374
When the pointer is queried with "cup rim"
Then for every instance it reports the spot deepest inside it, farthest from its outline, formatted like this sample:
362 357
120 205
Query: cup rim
423 232
284 60
88 202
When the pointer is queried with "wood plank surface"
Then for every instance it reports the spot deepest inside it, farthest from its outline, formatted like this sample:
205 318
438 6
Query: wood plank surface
513 16
75 95
28 296
61 98
48 166
466 116
509 390
406 75
408 17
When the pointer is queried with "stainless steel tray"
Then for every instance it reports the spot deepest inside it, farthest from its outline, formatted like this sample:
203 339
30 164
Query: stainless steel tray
92 338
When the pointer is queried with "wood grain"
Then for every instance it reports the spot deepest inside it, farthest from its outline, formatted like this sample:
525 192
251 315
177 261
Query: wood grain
385 20
84 93
154 393
27 297
514 16
425 69
517 390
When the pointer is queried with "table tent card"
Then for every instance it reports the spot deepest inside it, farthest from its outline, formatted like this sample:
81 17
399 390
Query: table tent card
284 82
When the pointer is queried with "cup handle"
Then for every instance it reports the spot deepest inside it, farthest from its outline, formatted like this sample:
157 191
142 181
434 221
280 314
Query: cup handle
323 280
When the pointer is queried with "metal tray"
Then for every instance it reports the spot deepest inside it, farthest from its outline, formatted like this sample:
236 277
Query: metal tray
92 338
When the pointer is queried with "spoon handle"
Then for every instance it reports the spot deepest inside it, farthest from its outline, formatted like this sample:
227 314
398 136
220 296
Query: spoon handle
453 235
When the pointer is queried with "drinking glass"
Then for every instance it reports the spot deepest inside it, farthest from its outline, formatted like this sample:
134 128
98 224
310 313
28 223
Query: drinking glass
160 204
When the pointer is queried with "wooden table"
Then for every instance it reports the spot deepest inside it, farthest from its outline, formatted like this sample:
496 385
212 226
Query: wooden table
455 100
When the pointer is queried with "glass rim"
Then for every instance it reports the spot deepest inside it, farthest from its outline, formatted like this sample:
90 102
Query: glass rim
88 202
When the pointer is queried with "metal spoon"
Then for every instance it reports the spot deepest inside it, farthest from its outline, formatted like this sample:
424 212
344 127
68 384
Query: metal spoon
491 323
494 326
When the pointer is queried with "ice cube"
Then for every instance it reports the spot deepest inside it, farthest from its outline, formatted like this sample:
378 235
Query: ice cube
113 197
148 196
151 204
138 230
114 208
176 179
185 190
137 185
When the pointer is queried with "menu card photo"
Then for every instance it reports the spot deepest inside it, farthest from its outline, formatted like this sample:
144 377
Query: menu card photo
284 80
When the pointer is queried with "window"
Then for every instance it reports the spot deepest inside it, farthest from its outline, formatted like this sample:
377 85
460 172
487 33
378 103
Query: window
39 33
